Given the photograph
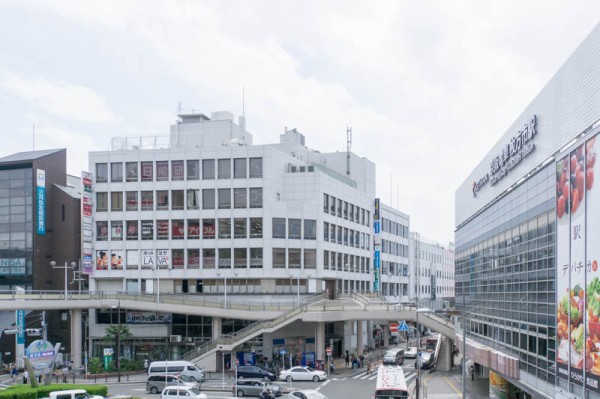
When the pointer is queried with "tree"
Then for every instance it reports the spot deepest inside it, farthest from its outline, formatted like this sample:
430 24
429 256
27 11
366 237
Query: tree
116 333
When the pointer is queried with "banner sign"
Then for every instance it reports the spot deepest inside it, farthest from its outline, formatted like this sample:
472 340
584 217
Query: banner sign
41 201
376 241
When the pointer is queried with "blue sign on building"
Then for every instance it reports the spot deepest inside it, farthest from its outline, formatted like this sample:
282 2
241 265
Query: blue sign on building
41 202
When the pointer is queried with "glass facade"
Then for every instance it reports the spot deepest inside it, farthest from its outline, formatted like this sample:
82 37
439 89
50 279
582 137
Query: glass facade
506 274
16 228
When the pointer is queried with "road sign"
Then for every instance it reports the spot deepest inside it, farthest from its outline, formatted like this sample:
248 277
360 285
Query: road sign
403 326
393 327
328 350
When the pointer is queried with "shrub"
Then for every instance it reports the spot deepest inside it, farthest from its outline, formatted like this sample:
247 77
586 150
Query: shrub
95 365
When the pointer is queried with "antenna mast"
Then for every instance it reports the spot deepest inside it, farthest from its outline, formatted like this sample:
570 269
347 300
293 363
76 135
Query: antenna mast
348 148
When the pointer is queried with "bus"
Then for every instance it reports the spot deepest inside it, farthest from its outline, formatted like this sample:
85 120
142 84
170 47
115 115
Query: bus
391 383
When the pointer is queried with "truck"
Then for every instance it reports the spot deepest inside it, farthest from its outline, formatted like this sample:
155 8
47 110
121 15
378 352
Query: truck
73 394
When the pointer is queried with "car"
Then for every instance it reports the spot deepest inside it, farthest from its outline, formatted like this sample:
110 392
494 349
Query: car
302 373
306 394
255 372
176 392
252 387
426 359
411 353
157 383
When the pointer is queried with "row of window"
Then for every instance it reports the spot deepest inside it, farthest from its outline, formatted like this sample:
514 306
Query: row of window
345 262
394 248
343 209
296 258
394 268
294 229
179 229
346 236
222 198
395 228
238 168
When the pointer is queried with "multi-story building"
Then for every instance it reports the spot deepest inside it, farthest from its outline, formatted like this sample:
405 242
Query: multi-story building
39 223
432 265
208 211
395 228
527 242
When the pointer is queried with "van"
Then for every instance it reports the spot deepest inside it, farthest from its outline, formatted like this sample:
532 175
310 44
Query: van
178 367
394 356
156 383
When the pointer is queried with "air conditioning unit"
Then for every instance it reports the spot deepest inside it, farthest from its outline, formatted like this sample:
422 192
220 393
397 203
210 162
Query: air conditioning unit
189 339
174 338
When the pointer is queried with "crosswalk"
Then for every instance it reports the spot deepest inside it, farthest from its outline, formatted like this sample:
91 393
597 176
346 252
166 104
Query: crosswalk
409 375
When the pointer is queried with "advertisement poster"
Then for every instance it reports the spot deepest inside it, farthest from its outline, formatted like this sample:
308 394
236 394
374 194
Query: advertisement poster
117 261
148 257
101 260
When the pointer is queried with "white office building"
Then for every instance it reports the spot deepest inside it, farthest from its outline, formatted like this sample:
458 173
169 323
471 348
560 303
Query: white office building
432 265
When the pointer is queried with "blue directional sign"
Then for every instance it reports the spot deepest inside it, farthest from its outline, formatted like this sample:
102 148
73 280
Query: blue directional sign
403 326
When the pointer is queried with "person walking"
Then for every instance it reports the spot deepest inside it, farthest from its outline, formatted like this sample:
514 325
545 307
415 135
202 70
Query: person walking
347 359
14 373
25 376
472 372
368 367
146 365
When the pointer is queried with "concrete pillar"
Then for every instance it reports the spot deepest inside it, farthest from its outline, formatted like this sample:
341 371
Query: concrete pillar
386 335
216 327
267 339
360 346
76 338
370 334
320 341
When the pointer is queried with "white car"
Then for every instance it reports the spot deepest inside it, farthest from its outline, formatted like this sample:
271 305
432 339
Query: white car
306 394
302 374
411 353
177 392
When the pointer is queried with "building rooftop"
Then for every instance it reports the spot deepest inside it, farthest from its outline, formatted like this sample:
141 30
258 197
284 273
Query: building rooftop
29 155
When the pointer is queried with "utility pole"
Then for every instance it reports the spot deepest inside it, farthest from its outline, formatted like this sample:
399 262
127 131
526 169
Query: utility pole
44 327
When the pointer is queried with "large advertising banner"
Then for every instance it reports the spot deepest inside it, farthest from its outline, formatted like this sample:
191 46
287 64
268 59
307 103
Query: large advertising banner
578 277
41 201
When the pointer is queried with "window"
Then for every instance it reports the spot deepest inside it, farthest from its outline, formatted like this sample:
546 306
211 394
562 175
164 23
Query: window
339 234
131 168
177 229
278 228
333 230
256 228
162 200
240 258
177 170
193 169
178 258
102 231
147 201
101 202
132 201
177 202
225 228
208 169
116 172
208 258
332 206
208 198
147 230
345 236
193 229
193 199
326 260
256 197
240 228
162 229
339 208
116 230
310 258
239 198
279 258
345 210
224 198
256 168
310 229
256 258
224 258
294 258
162 170
224 168
208 228
147 169
239 168
326 231
326 203
294 229
132 229
101 173
116 201
193 258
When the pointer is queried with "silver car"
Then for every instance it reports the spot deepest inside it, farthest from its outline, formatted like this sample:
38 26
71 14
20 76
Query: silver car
254 388
156 383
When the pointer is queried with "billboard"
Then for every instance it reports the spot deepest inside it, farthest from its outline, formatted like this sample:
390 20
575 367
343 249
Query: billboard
376 244
41 201
578 277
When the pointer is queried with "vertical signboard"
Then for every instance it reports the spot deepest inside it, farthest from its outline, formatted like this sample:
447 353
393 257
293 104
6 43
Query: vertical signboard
578 278
40 200
377 244
87 232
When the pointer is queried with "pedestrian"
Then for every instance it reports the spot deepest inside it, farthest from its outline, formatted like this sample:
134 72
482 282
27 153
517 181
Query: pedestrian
368 367
25 376
14 374
331 368
472 372
146 365
347 359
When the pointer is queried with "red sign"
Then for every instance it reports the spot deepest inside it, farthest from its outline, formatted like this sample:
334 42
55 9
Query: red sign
328 350
393 327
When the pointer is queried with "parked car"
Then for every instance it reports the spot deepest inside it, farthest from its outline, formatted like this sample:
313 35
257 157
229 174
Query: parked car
426 359
177 392
178 367
303 374
254 388
255 372
156 383
411 353
306 394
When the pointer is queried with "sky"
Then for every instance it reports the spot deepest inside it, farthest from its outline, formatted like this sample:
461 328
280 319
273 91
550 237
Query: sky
427 86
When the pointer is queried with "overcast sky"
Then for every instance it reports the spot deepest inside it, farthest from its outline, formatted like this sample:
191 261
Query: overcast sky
427 86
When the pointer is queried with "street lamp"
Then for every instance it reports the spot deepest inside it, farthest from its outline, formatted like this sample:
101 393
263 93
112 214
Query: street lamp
66 267
157 268
418 378
291 279
225 292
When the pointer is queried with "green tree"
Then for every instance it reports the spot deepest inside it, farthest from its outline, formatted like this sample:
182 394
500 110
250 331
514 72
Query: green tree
95 365
116 330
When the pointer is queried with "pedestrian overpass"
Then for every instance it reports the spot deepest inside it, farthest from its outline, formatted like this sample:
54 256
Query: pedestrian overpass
269 316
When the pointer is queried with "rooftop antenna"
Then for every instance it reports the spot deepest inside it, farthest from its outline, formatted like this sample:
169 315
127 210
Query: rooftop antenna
348 148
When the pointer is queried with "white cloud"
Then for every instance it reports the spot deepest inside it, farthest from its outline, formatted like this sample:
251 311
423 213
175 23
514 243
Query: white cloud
64 99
